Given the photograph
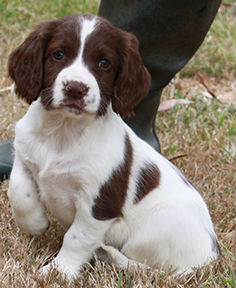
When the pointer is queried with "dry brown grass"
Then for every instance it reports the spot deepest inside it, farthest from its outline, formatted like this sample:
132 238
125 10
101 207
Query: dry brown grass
204 130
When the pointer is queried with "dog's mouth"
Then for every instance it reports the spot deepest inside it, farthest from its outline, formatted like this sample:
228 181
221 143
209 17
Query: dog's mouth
73 106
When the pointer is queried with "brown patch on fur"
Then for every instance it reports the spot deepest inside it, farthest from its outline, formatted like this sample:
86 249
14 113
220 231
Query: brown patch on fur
126 81
31 65
133 81
66 38
149 178
25 65
112 194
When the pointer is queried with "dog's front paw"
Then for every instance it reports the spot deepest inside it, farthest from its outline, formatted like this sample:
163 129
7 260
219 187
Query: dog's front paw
68 272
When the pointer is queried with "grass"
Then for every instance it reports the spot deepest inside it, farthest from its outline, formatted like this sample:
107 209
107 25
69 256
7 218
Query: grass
204 130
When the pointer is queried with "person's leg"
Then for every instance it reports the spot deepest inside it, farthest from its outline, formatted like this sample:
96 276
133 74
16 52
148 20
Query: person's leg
169 33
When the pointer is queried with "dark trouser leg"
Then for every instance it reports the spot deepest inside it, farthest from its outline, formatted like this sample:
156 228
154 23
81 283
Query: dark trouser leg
169 33
143 123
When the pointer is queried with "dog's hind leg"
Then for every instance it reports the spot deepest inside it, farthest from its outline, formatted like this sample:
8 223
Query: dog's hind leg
114 256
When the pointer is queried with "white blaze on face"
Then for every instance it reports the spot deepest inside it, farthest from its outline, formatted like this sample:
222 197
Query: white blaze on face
78 71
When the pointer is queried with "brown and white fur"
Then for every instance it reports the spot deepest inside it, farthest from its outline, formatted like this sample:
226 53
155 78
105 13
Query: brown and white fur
75 156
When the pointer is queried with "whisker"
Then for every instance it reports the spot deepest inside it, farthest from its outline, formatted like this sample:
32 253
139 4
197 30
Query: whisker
46 96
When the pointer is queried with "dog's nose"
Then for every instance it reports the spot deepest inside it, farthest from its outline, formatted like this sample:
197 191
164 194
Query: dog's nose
75 89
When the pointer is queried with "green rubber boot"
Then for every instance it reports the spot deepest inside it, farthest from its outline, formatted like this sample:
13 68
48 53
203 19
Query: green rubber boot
169 33
6 158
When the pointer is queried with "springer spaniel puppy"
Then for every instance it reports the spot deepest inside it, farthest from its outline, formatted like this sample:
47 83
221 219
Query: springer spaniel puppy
75 156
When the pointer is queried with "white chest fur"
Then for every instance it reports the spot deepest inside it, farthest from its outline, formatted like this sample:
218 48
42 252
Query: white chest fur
64 159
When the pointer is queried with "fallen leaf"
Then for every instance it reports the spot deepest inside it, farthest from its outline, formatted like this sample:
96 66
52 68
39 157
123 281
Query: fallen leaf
166 105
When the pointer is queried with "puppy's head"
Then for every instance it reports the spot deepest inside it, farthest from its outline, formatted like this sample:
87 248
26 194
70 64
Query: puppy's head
79 64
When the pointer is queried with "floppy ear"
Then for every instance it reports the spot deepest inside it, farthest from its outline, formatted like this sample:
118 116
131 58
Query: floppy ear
25 65
133 81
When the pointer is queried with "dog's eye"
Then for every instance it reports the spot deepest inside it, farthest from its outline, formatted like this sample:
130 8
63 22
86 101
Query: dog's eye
58 55
104 63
